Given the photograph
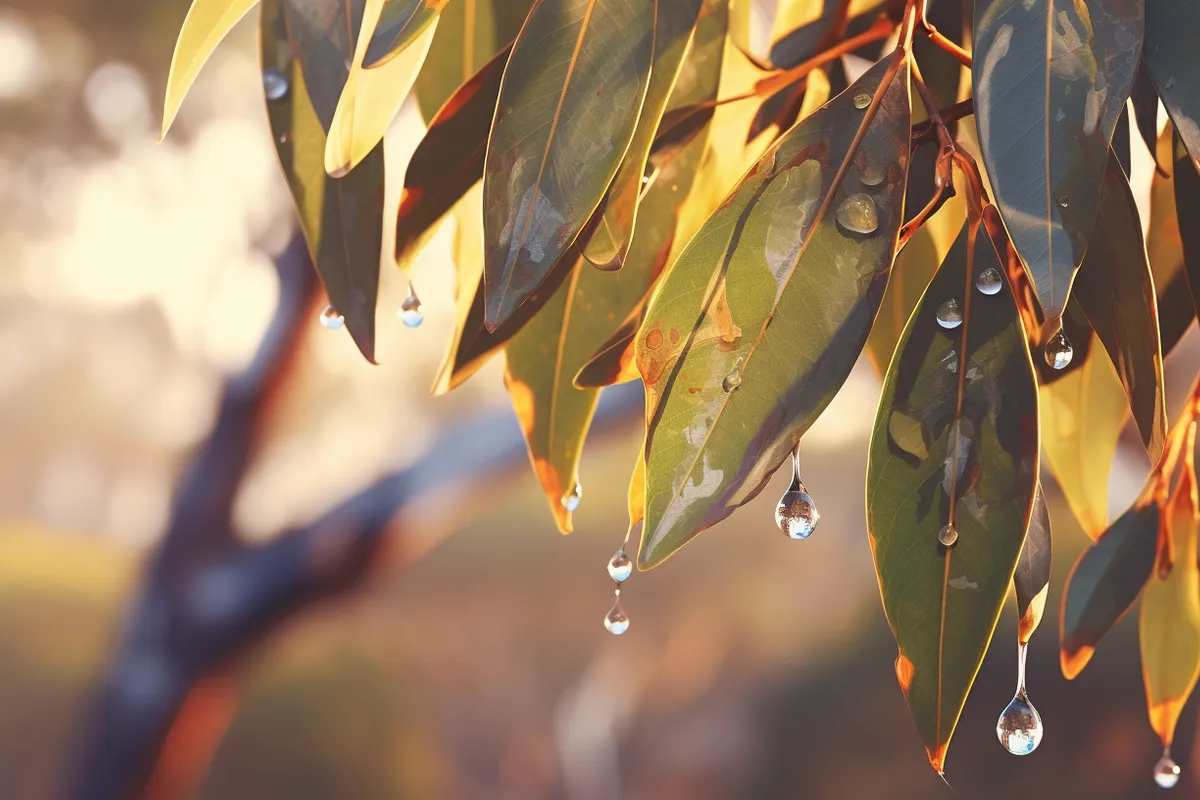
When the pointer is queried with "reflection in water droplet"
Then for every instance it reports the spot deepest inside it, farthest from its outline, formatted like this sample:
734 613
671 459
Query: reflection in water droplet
948 535
1063 202
1166 771
620 566
332 319
1020 725
857 214
734 379
797 515
989 281
571 499
1059 351
275 86
862 100
616 621
411 312
949 315
871 175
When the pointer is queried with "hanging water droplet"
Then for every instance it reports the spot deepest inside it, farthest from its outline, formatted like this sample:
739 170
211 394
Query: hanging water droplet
1059 351
1020 725
797 515
620 566
862 100
949 315
1063 202
989 281
616 621
275 86
571 499
734 379
411 311
871 175
857 214
948 535
1166 771
332 319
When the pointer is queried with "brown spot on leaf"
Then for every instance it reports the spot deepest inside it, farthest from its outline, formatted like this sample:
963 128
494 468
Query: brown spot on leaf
654 339
904 672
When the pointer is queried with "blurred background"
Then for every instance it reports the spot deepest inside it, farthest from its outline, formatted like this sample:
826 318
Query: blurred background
135 277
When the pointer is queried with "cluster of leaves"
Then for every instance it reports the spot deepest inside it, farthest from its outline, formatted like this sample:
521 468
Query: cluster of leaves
638 196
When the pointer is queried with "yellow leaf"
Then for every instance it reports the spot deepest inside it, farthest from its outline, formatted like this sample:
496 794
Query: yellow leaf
468 270
207 23
371 97
1169 626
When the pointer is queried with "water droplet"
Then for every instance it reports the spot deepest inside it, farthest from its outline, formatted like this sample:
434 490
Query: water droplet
989 281
871 175
571 499
645 179
862 100
948 535
616 621
1166 771
797 515
1020 726
332 319
1059 351
620 567
949 315
734 379
1063 202
857 214
275 86
284 138
411 312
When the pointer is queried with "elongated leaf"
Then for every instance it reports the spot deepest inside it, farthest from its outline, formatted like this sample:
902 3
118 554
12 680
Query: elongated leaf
955 444
449 159
1082 417
1116 291
340 218
1187 210
206 24
1031 581
1120 142
1105 581
1051 77
371 99
673 29
401 23
775 294
1145 107
914 267
323 36
555 144
1169 625
1164 246
1172 30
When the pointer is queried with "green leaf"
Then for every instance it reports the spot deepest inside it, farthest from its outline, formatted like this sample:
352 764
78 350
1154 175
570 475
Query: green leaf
449 159
1164 246
914 267
1105 581
955 444
341 218
569 103
206 24
400 23
1082 415
673 27
1116 292
1051 78
776 292
1172 30
1031 581
1169 624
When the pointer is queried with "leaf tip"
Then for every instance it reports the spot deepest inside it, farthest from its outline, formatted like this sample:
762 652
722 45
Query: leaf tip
937 758
1073 662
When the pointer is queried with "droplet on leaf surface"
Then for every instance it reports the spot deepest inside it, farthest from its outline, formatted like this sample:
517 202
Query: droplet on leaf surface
948 535
858 214
275 86
1059 351
871 175
332 319
989 281
734 379
949 315
1166 772
862 100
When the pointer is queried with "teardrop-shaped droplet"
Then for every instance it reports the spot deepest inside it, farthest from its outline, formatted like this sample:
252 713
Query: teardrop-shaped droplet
1059 351
275 86
949 315
871 175
857 214
332 319
862 100
1020 726
989 281
734 379
616 621
1166 772
620 566
796 515
948 535
411 312
571 499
